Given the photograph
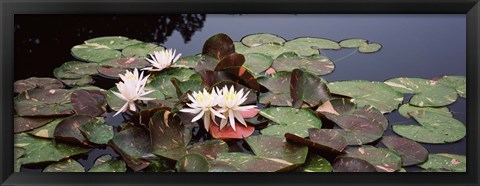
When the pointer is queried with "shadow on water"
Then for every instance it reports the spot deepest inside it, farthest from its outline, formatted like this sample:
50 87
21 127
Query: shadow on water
43 42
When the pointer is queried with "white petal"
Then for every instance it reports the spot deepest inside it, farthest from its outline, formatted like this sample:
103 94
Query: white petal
193 111
196 118
231 117
206 121
239 118
223 123
216 113
132 106
122 109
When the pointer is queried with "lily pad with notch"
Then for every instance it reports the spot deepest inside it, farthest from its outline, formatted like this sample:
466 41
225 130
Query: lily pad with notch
434 128
254 40
411 152
406 108
307 88
67 165
376 94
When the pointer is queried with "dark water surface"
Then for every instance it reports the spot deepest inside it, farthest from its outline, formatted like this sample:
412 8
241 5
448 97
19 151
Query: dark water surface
425 46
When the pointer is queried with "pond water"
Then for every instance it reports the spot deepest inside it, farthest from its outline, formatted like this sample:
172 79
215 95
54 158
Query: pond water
425 46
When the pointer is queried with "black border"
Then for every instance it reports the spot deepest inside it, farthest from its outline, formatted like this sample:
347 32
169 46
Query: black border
471 8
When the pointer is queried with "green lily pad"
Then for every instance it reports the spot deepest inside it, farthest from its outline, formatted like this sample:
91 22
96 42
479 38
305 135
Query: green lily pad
22 124
307 46
94 52
257 63
68 165
352 43
96 132
114 42
76 73
47 130
38 150
162 81
410 151
192 163
242 162
459 83
272 50
376 94
132 144
35 82
189 61
315 64
308 88
433 128
68 130
383 159
40 102
107 163
290 120
406 85
315 163
436 96
335 108
349 164
275 148
88 102
114 102
169 137
240 47
445 162
369 48
17 153
141 50
260 39
406 108
209 148
189 85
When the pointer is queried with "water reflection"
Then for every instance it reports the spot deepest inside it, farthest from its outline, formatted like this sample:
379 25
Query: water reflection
43 42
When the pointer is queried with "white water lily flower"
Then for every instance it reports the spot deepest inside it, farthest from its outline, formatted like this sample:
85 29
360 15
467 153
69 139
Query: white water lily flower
131 88
163 59
202 104
229 102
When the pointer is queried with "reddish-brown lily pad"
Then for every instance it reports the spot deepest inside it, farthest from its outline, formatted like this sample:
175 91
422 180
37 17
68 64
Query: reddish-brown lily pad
41 102
88 102
209 148
411 152
325 140
68 130
169 137
22 124
308 88
359 130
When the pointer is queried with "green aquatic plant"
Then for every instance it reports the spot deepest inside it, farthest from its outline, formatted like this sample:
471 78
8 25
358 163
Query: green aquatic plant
255 105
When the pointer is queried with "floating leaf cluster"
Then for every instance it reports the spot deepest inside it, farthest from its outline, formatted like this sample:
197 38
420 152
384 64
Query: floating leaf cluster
303 122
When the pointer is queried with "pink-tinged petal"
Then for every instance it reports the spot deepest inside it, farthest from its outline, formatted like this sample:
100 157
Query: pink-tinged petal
250 113
228 133
120 95
245 108
270 71
196 118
